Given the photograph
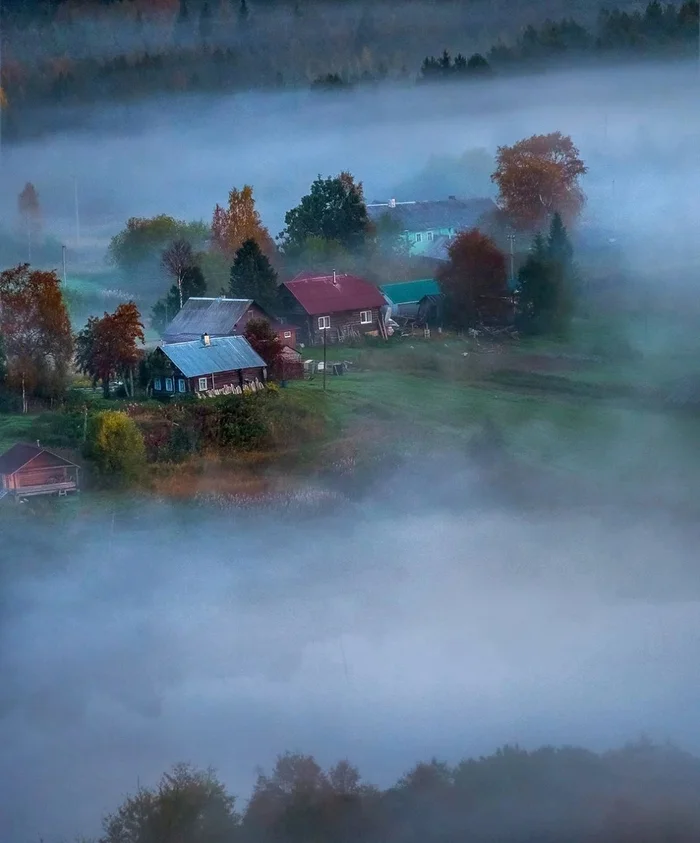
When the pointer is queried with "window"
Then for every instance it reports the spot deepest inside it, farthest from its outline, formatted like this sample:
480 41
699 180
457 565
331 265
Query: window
365 317
287 334
324 322
157 384
202 384
419 237
169 385
181 385
431 236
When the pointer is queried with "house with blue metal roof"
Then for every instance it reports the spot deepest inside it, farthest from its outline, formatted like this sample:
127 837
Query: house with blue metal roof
208 366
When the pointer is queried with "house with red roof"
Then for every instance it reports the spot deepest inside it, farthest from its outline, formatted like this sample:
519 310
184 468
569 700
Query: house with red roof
346 306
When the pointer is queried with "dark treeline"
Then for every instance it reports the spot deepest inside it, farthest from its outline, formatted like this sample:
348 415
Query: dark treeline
67 53
639 794
659 30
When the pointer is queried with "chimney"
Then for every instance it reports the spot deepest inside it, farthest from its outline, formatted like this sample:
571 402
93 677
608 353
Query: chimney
38 444
392 203
205 339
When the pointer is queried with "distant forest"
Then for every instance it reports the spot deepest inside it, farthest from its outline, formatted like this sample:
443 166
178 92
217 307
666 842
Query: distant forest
639 794
65 53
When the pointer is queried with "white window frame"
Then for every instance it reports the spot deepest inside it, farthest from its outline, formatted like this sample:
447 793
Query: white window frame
157 384
324 323
181 385
431 235
204 381
366 317
169 385
287 335
419 237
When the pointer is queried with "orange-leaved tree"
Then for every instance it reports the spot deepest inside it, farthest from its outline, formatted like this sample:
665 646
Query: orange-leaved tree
238 222
474 282
36 329
537 177
108 346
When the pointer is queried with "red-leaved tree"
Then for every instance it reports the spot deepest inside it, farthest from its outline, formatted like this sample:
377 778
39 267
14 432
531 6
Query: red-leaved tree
108 346
474 282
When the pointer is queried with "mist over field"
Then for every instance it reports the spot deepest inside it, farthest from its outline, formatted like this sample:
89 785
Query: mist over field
637 127
395 630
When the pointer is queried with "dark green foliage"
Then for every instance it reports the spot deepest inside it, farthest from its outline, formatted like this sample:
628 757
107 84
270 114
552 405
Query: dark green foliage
546 283
253 277
3 362
165 309
444 67
330 82
334 210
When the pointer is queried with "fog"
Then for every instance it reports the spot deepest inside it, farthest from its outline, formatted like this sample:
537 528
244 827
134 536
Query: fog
391 630
638 129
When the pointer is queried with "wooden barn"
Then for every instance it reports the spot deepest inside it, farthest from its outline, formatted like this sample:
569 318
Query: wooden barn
209 366
344 306
30 470
222 317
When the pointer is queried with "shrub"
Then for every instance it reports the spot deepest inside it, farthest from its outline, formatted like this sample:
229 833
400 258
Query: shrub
115 445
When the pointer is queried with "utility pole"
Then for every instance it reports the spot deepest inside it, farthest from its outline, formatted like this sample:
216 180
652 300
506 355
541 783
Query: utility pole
77 213
511 240
63 251
325 333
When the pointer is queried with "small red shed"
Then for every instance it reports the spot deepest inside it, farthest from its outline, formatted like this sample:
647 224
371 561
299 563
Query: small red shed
29 470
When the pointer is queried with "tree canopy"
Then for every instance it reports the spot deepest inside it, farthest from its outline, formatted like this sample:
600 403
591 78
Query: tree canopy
36 328
334 210
545 283
238 222
139 247
252 276
116 447
265 341
538 177
192 284
108 346
474 281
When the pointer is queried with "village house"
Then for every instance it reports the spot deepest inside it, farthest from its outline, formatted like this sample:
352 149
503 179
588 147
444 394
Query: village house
208 366
222 317
344 306
30 470
404 297
429 227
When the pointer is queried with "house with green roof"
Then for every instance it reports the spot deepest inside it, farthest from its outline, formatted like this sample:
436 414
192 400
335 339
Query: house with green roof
405 296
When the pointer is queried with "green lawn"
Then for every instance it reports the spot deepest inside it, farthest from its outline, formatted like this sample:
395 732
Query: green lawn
15 428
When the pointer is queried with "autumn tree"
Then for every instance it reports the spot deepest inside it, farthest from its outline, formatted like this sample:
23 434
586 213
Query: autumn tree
474 282
537 177
265 341
30 214
164 310
238 222
253 277
116 447
138 248
188 805
176 260
107 346
36 328
333 210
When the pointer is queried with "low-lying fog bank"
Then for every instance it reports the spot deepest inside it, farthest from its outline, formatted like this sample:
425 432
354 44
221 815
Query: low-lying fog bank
386 632
637 128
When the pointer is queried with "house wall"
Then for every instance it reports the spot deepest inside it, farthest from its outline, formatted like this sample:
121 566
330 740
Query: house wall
253 312
40 472
341 322
236 377
417 247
